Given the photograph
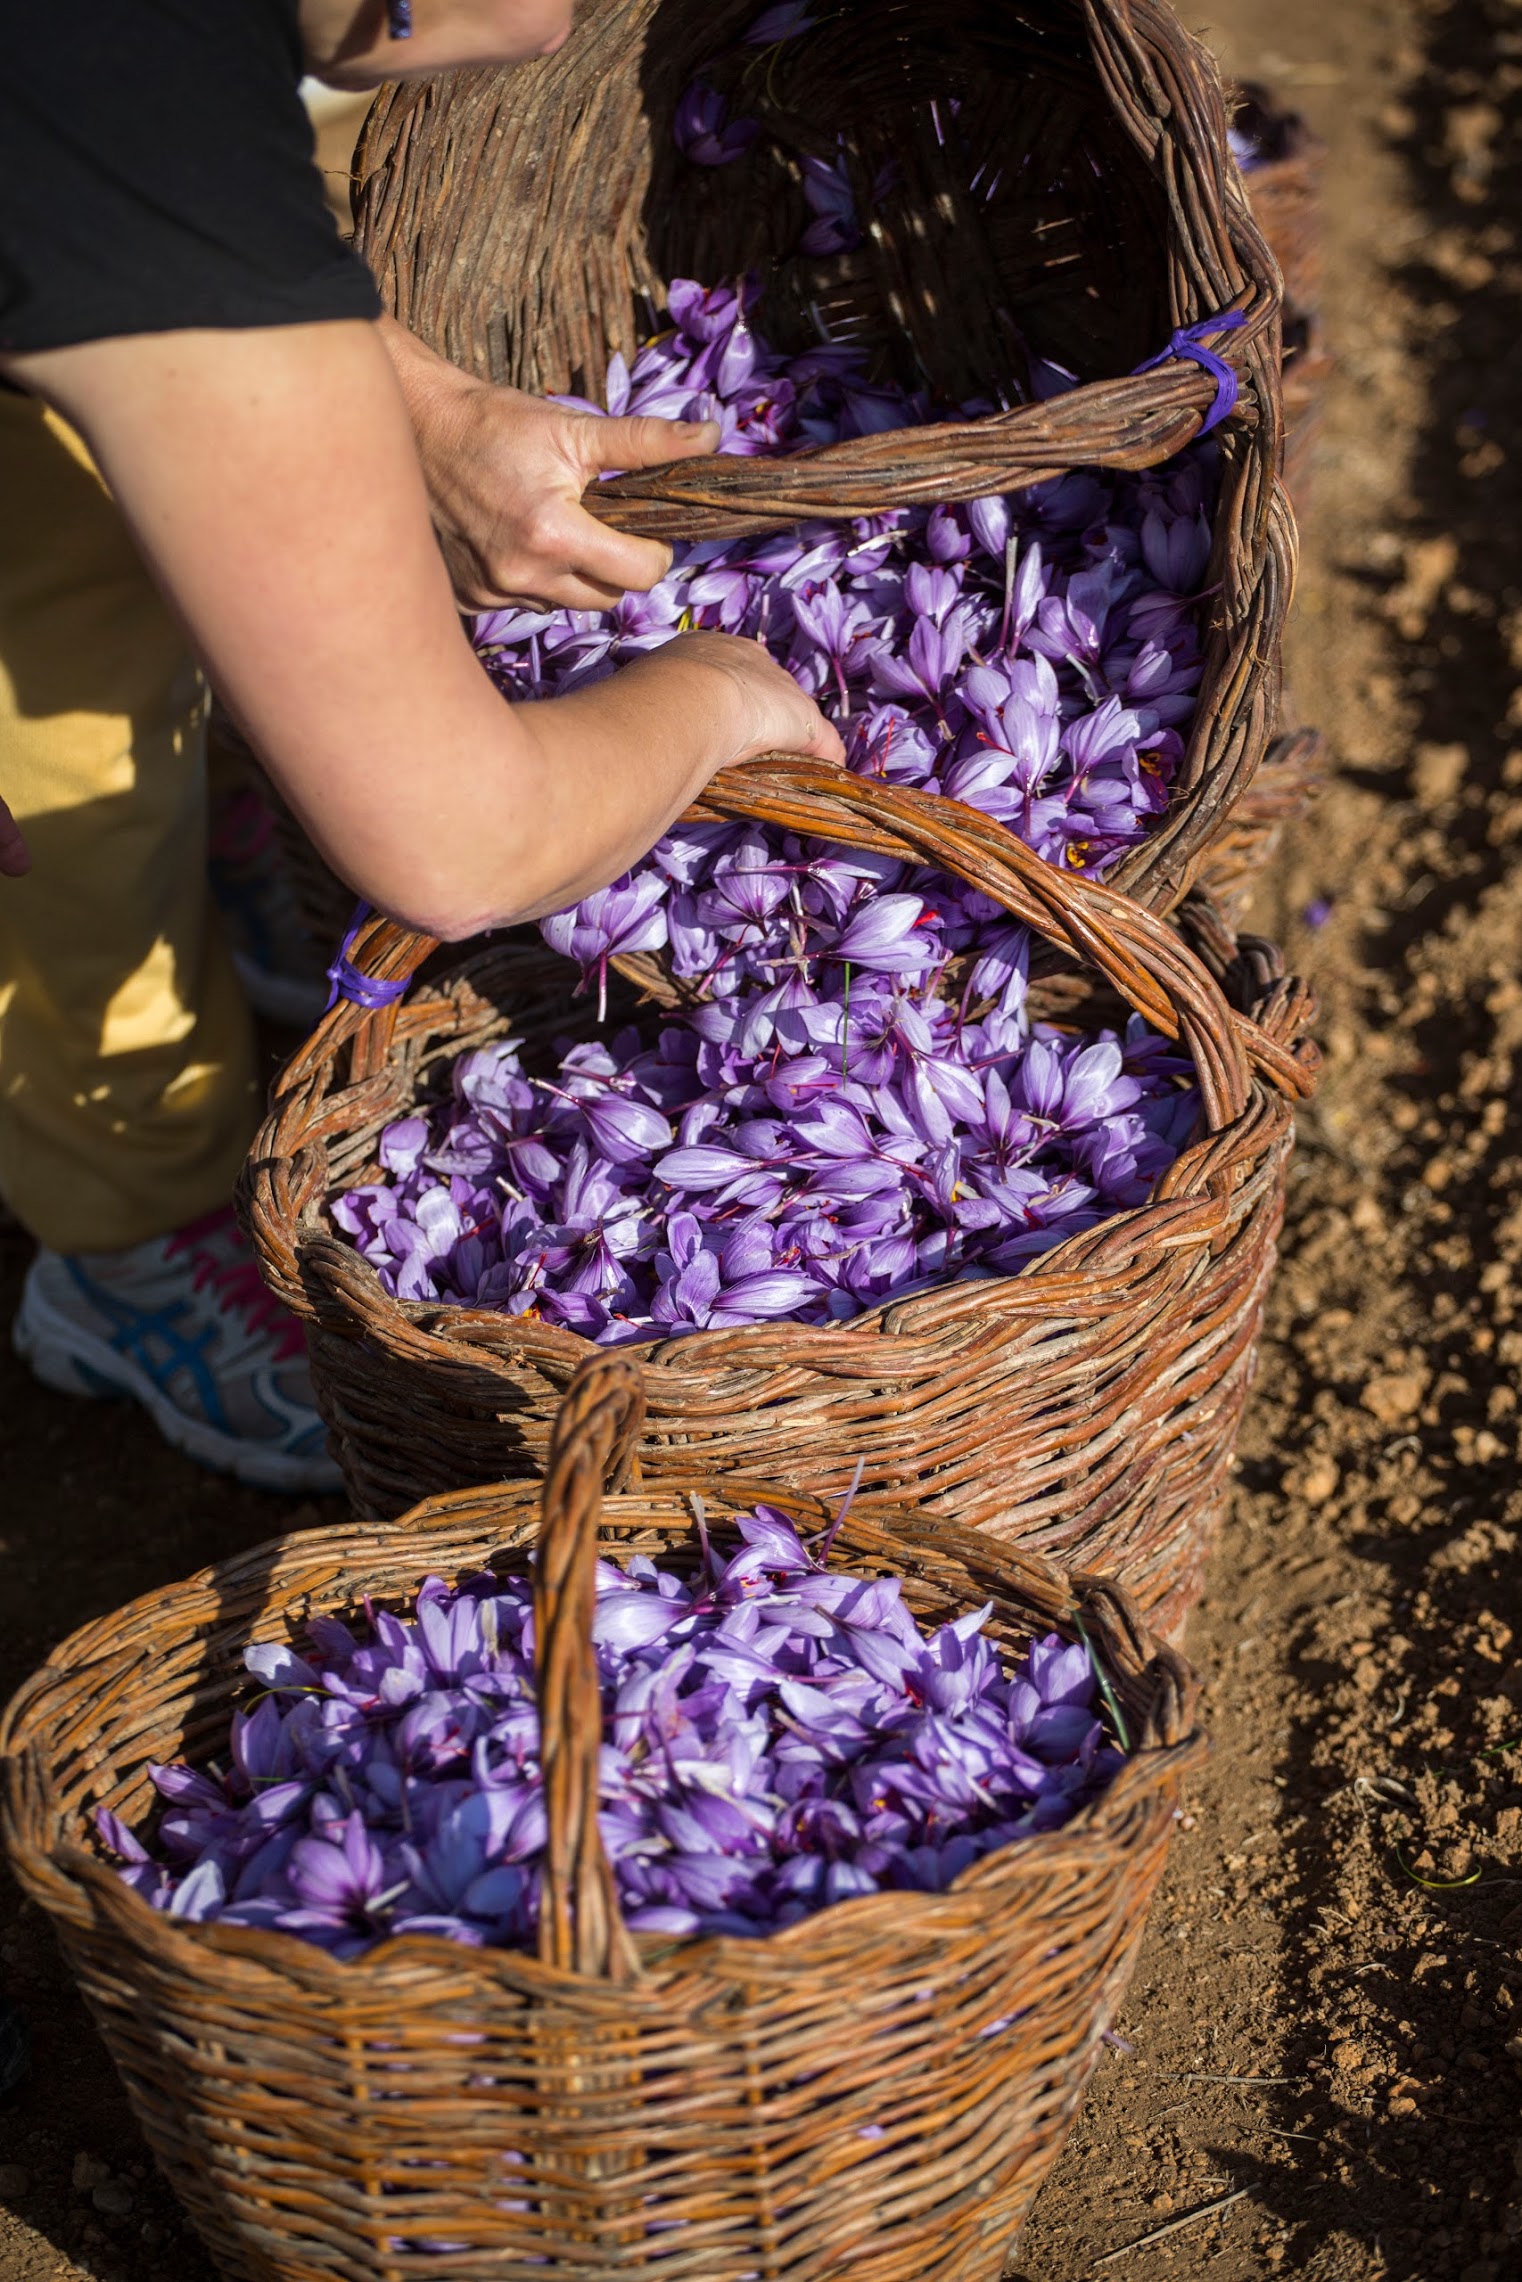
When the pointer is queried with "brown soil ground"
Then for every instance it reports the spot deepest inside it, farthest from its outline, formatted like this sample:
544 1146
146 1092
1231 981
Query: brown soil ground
1326 2073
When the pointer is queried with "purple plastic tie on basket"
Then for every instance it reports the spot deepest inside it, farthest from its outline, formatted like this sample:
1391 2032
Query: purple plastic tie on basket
1187 342
360 990
400 19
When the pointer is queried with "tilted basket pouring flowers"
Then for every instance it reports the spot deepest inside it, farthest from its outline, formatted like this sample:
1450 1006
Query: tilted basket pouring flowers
880 2084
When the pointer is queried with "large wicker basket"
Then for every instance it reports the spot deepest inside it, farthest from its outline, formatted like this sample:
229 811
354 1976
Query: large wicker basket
1087 1407
1282 792
877 2091
526 223
1285 194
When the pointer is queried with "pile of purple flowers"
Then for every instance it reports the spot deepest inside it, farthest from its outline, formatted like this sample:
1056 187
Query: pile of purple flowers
1035 657
777 1737
856 1105
805 1150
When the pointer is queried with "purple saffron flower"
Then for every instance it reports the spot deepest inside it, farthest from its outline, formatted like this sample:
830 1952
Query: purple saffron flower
835 228
704 131
884 934
628 916
783 22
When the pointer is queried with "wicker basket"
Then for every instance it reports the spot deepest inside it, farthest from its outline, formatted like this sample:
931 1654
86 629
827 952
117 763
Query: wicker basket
1285 195
877 2091
1281 793
525 223
1087 1407
1284 189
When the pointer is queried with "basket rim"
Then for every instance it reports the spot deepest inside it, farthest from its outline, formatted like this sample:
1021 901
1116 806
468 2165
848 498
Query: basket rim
1107 931
942 461
1141 38
84 1662
1086 916
759 1345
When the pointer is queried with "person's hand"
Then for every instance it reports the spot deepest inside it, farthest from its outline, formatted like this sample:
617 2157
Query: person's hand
254 469
15 856
770 713
505 474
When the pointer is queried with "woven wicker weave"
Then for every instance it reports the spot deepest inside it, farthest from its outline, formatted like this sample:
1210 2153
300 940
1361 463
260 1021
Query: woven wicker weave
525 223
1280 794
1285 196
1284 190
1087 1406
877 2091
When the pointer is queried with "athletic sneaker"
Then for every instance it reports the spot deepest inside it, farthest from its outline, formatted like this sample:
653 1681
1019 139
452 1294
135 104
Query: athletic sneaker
184 1326
280 963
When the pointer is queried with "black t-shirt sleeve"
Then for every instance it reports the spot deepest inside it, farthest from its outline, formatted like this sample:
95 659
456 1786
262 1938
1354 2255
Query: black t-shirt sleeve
157 173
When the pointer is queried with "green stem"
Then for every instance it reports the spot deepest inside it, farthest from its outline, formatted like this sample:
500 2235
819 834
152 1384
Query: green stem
1111 1701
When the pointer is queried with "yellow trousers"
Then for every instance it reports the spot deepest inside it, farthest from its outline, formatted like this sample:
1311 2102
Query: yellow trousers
127 1070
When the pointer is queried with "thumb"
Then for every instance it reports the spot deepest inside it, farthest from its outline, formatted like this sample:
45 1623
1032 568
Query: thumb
824 743
642 441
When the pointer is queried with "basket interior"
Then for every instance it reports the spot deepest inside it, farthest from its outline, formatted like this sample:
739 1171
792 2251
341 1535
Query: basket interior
162 1682
521 991
1010 211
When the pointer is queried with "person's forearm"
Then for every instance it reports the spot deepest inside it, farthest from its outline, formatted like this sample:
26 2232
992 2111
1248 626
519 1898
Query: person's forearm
270 480
539 805
507 474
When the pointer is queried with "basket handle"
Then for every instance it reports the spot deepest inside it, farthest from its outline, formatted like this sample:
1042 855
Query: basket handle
1153 971
596 1430
1131 422
1156 974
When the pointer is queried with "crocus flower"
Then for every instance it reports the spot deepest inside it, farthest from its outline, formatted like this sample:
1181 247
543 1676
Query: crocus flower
827 187
783 22
625 917
704 131
854 1105
778 1737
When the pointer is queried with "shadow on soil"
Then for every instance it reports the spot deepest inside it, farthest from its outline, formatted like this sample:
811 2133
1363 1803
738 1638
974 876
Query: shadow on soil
1407 2070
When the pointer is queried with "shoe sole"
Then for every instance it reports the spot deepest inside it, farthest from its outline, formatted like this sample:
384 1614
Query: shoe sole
75 1362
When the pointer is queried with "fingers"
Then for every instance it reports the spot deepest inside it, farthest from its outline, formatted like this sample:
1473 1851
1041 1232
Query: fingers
613 559
526 587
825 745
576 564
574 593
640 441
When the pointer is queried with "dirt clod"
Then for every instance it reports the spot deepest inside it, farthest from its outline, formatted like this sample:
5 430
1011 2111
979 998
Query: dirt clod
1318 1481
1437 772
1394 1396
